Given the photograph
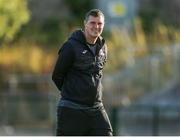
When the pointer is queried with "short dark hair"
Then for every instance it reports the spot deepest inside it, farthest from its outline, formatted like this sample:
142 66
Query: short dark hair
94 13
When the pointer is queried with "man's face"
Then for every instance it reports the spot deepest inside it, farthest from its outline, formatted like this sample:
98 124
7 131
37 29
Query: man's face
94 26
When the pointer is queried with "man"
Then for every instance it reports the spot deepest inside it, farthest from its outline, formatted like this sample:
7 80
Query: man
78 74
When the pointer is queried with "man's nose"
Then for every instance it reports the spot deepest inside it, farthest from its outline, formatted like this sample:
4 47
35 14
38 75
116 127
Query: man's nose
96 25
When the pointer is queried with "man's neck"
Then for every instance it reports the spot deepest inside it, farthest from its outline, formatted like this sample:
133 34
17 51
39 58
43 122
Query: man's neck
90 40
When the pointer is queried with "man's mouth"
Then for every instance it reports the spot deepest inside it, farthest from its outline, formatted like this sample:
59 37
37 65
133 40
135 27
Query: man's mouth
95 31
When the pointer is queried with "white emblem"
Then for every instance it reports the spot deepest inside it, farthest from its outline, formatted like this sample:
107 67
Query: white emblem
84 52
101 53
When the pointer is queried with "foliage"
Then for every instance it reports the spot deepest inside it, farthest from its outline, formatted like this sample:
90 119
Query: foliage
124 48
26 57
78 8
13 14
53 31
148 18
164 10
50 33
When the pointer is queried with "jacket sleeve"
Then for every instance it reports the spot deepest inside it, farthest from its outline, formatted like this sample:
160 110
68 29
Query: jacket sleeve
106 53
63 64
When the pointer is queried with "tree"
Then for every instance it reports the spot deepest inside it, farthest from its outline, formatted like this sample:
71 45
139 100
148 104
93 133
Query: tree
13 14
78 8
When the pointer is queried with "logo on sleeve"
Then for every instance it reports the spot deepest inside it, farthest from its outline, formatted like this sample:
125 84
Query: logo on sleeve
101 53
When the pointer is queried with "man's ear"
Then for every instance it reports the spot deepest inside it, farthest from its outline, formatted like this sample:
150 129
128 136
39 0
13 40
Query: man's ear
85 22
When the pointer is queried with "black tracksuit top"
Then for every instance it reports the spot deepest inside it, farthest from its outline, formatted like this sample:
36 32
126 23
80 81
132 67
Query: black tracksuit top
78 71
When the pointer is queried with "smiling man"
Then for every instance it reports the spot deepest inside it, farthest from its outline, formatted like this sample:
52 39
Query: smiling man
78 74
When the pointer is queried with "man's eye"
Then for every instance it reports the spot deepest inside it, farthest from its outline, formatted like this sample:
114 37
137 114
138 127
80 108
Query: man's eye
93 23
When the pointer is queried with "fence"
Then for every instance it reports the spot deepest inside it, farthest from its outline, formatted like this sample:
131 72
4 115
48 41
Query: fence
152 74
147 77
148 121
28 106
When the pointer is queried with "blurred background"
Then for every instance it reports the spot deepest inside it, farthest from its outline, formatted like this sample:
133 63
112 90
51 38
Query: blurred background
141 79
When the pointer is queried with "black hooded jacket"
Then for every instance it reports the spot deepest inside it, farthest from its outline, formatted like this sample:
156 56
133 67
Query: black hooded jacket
78 71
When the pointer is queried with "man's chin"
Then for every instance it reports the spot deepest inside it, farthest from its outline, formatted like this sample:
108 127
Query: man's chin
96 35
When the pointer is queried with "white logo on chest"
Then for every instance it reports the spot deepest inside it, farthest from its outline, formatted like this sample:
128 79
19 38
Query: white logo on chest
84 52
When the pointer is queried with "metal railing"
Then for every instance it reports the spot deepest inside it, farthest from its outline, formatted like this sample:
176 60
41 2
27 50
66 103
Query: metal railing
144 120
28 106
152 74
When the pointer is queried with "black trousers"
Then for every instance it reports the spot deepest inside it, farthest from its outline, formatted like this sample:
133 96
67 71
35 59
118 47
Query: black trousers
78 122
